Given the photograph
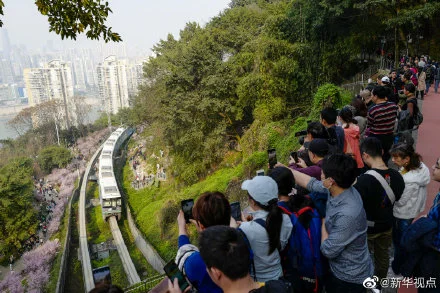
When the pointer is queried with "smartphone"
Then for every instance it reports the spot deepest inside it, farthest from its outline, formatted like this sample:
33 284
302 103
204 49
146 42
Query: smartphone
172 271
272 158
236 211
260 172
187 206
294 156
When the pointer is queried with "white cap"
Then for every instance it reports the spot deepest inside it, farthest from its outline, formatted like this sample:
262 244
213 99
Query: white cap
385 79
261 188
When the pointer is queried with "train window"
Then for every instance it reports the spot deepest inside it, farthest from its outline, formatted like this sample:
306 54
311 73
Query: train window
110 189
111 140
119 202
106 156
107 174
114 203
106 167
107 203
107 152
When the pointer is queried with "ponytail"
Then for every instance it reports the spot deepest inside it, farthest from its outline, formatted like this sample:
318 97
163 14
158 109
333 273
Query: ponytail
273 224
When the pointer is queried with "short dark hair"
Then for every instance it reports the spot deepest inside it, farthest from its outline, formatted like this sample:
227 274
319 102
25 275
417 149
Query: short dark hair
380 91
340 167
284 179
410 87
224 248
317 130
329 115
212 208
404 150
407 74
372 146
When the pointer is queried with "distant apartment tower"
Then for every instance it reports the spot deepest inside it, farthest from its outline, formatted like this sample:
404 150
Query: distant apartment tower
135 78
112 83
53 81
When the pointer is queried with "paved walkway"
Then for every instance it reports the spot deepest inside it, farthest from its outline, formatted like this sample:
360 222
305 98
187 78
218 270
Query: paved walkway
428 146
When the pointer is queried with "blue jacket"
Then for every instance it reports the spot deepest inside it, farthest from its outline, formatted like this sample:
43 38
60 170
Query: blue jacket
422 258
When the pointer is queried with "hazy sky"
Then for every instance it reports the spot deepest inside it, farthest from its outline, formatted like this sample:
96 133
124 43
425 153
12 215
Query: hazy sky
141 23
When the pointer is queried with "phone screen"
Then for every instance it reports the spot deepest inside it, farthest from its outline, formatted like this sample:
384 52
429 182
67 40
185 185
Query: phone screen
187 206
172 271
236 211
272 158
294 156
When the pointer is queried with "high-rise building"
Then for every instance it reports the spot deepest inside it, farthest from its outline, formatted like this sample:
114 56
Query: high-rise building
135 78
53 81
112 83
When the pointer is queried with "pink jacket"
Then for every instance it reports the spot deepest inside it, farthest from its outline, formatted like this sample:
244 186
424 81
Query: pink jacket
351 144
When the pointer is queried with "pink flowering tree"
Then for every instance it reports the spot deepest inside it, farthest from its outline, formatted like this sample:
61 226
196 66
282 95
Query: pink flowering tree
12 283
37 265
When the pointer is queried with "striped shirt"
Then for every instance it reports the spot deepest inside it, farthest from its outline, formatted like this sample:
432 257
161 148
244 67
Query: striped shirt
381 118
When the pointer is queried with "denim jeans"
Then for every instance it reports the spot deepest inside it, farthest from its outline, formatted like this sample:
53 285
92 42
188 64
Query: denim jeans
428 85
436 82
399 227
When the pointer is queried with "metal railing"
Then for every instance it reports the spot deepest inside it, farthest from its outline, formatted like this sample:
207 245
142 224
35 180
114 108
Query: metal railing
145 285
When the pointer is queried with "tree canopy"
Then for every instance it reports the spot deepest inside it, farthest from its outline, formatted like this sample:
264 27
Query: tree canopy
69 18
17 215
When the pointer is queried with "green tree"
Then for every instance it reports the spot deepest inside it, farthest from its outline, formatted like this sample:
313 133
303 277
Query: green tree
54 157
69 18
17 215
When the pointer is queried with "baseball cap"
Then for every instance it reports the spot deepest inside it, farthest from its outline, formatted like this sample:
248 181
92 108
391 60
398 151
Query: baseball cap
385 79
261 188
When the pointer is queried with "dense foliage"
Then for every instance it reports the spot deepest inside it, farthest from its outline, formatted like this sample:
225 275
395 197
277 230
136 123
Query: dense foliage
17 215
54 157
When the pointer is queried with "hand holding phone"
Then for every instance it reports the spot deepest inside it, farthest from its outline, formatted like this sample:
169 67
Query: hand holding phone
294 156
187 206
272 158
236 211
173 272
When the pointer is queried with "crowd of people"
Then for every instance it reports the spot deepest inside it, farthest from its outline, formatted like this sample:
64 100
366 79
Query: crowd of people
329 218
138 162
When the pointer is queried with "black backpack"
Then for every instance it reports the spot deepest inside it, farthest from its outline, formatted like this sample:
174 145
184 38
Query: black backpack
428 72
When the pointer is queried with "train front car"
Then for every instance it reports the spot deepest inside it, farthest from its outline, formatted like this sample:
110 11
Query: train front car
110 196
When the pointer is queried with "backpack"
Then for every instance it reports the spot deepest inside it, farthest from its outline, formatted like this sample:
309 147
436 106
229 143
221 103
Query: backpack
414 79
428 72
418 118
303 250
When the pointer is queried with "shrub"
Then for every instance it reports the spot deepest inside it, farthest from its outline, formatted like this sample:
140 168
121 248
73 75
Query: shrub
54 157
328 95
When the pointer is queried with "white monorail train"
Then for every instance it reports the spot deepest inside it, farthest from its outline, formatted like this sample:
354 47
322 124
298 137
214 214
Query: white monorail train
109 193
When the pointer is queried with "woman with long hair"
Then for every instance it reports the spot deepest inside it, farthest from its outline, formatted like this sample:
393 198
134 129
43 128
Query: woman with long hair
269 230
360 115
412 202
352 135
